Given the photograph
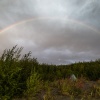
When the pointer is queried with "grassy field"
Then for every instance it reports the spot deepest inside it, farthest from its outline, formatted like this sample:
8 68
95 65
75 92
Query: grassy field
24 78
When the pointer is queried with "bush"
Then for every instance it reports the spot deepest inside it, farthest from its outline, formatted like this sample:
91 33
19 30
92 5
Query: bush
14 72
33 84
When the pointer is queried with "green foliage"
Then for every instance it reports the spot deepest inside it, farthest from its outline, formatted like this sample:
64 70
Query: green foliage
9 72
14 72
21 74
33 84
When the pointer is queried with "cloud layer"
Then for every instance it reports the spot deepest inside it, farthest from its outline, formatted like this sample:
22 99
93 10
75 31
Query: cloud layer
62 32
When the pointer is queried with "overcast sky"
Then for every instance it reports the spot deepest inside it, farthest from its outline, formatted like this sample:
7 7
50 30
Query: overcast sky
56 31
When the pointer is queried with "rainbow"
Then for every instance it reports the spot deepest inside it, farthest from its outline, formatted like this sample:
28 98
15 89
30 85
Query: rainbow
48 18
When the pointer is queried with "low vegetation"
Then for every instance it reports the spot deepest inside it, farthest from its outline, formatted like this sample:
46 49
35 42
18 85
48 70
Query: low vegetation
22 76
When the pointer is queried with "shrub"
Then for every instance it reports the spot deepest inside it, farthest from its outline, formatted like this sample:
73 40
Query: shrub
33 84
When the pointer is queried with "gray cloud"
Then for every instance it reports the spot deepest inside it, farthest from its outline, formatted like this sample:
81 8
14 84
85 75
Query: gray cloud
59 37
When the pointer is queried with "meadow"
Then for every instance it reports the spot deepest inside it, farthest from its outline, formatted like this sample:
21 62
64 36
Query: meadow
24 78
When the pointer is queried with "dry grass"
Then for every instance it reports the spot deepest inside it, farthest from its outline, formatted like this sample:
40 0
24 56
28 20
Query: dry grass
65 89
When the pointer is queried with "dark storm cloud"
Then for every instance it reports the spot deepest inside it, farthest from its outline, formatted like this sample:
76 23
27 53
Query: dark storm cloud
52 40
